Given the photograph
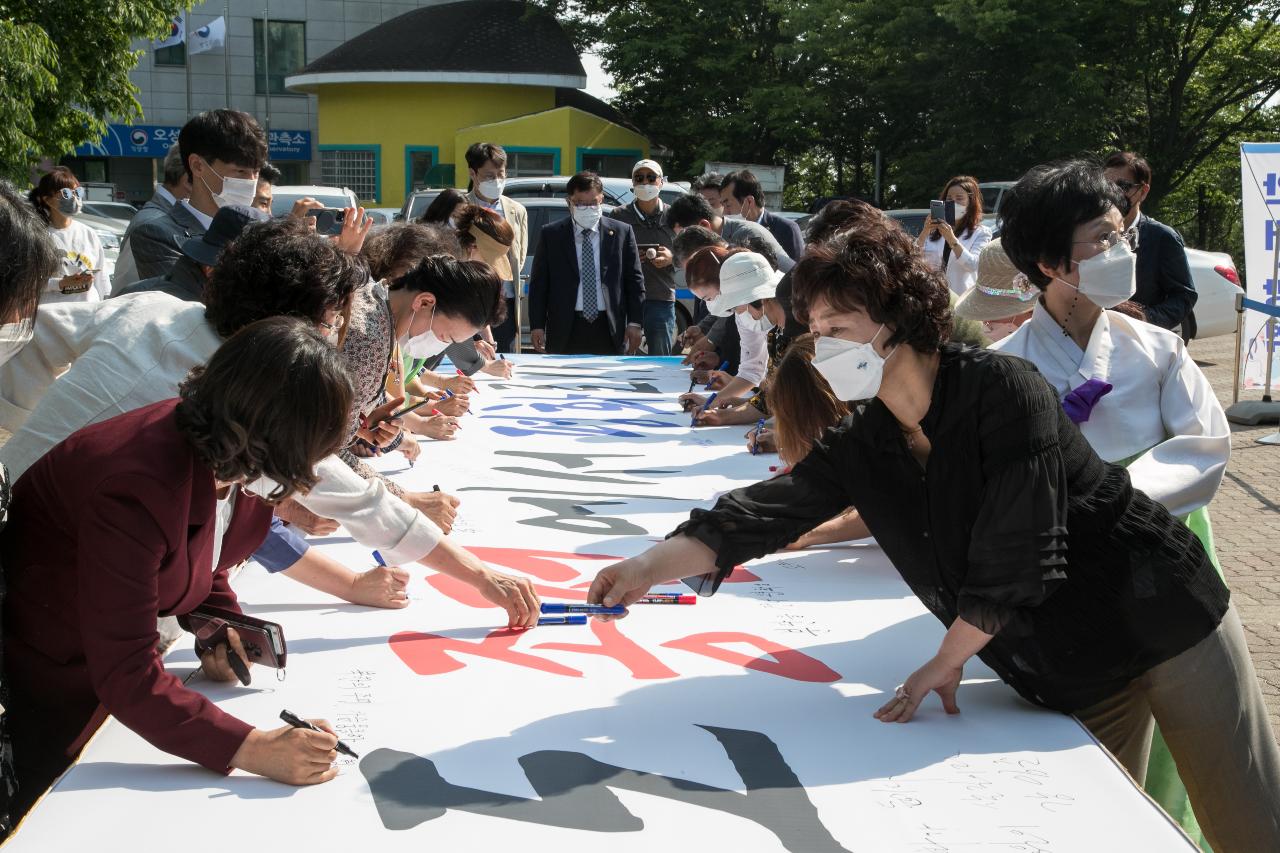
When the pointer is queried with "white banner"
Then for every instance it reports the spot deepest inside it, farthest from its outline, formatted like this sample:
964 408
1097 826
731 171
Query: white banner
741 723
211 35
1260 191
177 33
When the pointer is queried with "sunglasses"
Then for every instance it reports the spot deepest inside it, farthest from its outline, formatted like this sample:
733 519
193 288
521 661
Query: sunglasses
68 193
645 178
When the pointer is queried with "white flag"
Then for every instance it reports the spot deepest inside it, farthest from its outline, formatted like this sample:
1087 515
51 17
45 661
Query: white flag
177 33
211 35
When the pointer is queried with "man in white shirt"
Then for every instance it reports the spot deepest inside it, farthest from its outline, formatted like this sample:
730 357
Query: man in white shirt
135 351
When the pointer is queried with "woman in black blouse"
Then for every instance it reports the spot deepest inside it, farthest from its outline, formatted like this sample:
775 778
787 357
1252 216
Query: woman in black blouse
1082 594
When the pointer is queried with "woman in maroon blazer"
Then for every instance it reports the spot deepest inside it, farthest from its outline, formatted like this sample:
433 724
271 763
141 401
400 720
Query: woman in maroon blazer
121 523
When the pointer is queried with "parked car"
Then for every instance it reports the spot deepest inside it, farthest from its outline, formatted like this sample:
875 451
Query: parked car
283 197
111 232
1217 283
617 191
111 210
382 215
992 194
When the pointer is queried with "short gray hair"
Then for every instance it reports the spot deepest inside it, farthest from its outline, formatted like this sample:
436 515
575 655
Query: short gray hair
173 170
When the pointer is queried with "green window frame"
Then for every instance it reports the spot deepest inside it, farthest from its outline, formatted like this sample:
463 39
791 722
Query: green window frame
531 149
359 173
633 153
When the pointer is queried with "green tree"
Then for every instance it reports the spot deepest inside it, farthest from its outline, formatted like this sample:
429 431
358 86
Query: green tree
1202 76
64 70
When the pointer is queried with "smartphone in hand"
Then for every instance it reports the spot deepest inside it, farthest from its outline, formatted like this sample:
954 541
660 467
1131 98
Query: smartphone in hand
328 219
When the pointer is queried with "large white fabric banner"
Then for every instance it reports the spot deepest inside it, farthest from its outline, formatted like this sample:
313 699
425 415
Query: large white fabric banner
1260 191
743 722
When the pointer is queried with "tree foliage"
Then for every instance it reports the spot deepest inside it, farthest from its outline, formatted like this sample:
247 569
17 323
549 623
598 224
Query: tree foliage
64 70
941 87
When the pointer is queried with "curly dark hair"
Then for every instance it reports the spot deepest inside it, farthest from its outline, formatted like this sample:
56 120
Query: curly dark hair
470 290
27 258
838 215
272 402
877 267
1039 215
397 248
280 268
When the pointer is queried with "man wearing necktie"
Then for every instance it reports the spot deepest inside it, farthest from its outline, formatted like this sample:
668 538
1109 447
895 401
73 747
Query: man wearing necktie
586 293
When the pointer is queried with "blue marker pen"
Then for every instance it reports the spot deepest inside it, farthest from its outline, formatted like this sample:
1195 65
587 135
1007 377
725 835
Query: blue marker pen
724 365
378 557
755 439
592 609
710 400
563 620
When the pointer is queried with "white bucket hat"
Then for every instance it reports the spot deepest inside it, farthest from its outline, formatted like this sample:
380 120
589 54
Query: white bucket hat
744 277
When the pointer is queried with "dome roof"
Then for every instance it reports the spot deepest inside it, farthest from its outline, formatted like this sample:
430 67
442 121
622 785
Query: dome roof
469 41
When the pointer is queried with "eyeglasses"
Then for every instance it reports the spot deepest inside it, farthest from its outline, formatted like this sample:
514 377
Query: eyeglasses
69 193
338 322
645 178
1107 241
1126 186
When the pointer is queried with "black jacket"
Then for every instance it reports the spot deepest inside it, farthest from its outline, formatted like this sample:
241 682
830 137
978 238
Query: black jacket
1165 289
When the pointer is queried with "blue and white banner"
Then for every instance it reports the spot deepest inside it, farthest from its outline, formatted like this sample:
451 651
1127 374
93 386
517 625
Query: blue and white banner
1260 192
154 140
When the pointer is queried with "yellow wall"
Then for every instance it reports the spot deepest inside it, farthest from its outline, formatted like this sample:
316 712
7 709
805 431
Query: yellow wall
394 115
451 117
565 130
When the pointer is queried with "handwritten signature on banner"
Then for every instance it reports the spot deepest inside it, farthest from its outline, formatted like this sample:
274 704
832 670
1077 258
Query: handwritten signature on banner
435 654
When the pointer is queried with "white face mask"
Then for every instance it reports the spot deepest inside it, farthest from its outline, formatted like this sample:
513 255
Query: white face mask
755 324
853 370
1110 278
587 216
646 192
961 210
13 337
234 190
425 345
492 189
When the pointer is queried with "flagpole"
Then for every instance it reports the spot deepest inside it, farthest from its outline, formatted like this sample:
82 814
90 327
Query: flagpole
226 51
186 45
266 62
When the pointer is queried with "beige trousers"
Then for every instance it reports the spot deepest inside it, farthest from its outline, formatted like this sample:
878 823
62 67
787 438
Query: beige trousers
1211 712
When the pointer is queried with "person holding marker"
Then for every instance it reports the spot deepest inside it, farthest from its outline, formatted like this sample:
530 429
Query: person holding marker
969 473
142 516
739 284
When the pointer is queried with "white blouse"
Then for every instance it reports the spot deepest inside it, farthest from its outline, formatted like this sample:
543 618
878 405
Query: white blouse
1161 407
753 357
962 269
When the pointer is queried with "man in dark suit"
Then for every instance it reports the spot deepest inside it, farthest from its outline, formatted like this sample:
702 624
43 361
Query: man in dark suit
1165 289
742 196
174 187
586 293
